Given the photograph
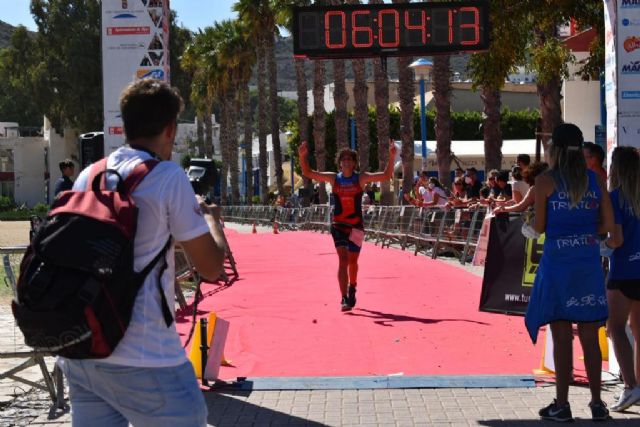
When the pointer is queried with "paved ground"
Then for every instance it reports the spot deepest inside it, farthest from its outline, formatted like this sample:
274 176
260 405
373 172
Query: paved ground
22 405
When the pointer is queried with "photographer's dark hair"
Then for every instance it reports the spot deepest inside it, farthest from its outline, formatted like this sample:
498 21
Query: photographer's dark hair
66 163
147 107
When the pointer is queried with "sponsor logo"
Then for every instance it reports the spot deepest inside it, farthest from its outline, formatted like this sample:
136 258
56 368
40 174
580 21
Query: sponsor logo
631 68
576 241
635 257
631 43
153 74
124 16
128 31
115 130
630 4
626 22
631 94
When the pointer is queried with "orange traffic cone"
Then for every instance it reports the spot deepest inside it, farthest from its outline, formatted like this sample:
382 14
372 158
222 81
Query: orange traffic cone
253 230
275 227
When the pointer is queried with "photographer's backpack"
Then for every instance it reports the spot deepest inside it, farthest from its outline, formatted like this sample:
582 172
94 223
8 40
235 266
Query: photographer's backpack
77 284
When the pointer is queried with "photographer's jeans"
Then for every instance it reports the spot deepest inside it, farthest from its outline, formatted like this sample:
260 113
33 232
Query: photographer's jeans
104 394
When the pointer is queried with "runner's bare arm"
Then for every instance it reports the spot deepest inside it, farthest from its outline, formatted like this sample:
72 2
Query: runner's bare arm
607 222
544 187
303 152
387 174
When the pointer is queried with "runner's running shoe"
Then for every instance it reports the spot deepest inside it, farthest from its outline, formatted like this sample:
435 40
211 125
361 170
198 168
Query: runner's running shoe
629 397
599 411
556 412
345 304
351 297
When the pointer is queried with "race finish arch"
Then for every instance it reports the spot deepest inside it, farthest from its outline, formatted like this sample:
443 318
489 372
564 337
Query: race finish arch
382 30
135 45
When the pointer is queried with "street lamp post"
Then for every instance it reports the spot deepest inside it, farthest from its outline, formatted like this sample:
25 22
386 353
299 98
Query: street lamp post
423 67
289 133
244 173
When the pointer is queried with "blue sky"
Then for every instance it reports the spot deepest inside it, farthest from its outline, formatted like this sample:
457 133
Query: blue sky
193 14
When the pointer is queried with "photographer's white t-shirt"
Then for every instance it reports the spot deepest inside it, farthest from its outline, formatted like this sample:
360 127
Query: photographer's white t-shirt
166 206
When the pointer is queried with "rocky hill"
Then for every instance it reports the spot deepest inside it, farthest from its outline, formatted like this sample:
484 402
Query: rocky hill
287 72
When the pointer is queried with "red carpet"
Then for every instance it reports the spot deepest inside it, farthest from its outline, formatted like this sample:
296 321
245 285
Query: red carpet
414 315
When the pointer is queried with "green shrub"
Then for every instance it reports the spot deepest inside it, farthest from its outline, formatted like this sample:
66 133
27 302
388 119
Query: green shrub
6 203
41 209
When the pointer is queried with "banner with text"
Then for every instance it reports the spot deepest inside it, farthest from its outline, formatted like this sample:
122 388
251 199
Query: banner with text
510 267
135 45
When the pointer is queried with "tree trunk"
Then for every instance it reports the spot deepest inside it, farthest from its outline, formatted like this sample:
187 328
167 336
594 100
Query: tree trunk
262 125
233 103
200 132
491 128
382 125
208 133
340 98
318 122
224 171
442 98
360 90
550 107
275 116
405 94
248 142
303 117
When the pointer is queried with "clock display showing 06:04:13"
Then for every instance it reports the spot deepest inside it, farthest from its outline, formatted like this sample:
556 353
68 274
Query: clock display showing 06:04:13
391 29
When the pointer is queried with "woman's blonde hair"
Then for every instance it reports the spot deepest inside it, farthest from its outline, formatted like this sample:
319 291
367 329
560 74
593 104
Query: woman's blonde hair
569 169
625 175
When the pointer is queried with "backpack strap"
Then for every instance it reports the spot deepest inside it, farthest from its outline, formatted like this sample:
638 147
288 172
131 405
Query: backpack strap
138 173
166 311
97 168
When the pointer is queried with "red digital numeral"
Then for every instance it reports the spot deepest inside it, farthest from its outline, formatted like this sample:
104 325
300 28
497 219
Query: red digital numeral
475 26
451 12
360 29
396 24
422 27
342 29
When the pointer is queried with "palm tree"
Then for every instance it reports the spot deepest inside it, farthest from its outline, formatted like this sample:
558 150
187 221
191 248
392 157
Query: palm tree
509 35
361 108
318 120
406 91
442 99
381 91
250 13
340 98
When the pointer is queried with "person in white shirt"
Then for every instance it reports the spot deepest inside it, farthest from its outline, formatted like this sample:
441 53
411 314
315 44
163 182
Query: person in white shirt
433 194
148 379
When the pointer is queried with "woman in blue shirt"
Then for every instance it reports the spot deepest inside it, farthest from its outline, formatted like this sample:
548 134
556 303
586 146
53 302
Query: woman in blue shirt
623 284
569 286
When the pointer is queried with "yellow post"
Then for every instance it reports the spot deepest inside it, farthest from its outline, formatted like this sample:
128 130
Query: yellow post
194 353
604 344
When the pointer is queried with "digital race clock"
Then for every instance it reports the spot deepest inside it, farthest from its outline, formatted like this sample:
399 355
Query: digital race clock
390 29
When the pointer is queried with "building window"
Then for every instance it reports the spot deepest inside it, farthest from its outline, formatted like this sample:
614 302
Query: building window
6 173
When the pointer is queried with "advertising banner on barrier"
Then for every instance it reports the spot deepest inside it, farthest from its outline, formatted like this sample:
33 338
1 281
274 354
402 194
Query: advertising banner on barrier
510 267
135 45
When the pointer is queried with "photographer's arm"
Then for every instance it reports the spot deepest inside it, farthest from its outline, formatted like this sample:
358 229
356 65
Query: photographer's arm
207 251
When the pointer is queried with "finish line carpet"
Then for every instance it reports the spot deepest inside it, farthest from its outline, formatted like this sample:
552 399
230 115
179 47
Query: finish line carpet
414 315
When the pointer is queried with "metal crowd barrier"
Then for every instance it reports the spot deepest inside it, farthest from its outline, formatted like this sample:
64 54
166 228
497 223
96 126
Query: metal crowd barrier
434 231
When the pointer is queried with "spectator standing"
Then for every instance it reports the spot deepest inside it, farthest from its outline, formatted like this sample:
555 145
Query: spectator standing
529 177
523 161
433 194
572 208
623 285
347 226
148 380
65 183
473 184
519 186
594 156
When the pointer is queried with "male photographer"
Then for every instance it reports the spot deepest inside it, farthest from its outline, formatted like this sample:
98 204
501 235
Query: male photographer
148 380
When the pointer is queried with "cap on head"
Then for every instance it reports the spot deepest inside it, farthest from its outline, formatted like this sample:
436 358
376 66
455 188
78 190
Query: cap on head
567 135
